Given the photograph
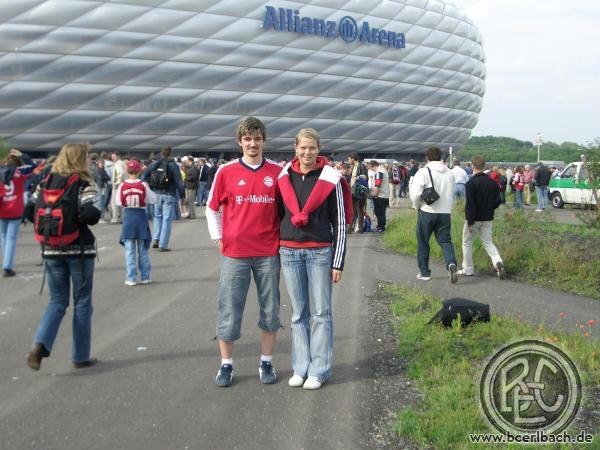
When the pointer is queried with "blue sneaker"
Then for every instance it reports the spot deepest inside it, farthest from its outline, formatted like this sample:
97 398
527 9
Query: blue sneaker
224 376
267 373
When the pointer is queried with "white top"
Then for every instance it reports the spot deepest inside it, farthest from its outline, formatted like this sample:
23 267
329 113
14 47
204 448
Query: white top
460 176
443 180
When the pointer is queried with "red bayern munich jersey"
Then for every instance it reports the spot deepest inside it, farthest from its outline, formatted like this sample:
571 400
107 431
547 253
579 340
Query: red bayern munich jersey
248 201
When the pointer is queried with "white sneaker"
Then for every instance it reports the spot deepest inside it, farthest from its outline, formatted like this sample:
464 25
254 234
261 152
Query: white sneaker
148 281
296 381
538 210
130 283
422 278
464 274
312 383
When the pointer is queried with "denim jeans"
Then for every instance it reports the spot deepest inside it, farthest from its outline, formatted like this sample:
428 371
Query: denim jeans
202 192
9 231
307 273
518 199
136 256
101 200
459 191
164 213
542 196
234 283
61 273
440 224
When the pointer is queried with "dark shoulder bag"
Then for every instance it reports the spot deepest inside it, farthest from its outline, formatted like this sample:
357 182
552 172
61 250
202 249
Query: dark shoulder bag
430 195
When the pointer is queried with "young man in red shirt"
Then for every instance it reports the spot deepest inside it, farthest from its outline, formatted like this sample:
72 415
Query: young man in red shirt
243 220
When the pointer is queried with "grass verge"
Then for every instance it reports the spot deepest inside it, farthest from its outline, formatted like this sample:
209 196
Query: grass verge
446 363
534 248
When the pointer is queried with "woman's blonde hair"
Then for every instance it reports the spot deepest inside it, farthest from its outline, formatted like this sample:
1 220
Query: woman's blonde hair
73 158
308 133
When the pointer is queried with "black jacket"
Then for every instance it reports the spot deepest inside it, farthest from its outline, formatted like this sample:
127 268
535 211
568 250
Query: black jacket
323 222
542 176
482 198
191 177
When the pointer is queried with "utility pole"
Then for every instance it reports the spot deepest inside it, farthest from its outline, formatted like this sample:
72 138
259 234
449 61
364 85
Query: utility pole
538 142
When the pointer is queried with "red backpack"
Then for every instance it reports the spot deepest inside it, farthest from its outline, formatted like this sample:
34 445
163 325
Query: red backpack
56 212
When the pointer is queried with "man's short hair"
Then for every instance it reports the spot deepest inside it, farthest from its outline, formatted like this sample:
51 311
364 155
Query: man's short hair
353 156
478 162
433 154
250 125
165 152
374 163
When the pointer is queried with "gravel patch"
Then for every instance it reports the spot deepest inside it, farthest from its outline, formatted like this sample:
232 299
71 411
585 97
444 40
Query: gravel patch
392 389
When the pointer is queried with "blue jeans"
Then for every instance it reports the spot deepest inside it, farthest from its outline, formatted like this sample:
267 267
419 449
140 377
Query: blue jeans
542 196
164 213
101 200
440 224
234 283
202 193
60 273
9 231
136 256
307 273
519 199
459 191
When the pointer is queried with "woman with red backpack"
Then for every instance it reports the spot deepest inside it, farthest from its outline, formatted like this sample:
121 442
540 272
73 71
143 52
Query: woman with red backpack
61 209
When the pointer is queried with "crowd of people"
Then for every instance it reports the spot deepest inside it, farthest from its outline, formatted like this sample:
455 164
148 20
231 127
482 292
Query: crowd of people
264 217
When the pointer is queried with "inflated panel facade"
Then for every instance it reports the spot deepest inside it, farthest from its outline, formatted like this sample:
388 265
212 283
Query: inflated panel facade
142 74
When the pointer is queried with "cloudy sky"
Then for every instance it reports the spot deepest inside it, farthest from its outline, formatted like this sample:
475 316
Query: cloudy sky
543 68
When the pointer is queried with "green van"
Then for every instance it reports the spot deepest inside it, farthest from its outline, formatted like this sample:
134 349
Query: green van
571 187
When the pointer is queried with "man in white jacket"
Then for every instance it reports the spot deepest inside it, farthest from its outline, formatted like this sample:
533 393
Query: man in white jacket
434 218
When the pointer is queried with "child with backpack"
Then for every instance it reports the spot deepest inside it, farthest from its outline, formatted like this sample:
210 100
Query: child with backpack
133 195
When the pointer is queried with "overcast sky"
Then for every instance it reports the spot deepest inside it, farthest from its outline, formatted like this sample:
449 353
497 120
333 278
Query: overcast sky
543 68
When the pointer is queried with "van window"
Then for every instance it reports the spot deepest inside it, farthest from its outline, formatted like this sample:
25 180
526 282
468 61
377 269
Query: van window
569 173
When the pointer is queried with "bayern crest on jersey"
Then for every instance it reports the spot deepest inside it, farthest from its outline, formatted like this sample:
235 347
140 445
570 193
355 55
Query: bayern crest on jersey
268 181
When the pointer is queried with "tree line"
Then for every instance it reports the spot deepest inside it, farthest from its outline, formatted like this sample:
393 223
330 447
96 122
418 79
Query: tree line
498 148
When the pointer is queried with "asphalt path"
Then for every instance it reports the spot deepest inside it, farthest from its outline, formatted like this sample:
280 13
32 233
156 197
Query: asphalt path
154 386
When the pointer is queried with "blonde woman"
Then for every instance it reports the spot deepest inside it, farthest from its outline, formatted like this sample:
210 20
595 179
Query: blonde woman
312 249
72 261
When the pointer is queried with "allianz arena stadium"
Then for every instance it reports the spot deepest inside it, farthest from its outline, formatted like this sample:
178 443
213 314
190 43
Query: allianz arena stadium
379 77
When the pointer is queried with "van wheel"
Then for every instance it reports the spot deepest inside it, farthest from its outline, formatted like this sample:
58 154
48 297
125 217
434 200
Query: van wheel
557 200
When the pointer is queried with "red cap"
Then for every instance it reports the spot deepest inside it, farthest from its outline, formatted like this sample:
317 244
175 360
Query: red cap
134 165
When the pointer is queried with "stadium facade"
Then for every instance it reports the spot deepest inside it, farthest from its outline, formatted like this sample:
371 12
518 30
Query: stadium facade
381 77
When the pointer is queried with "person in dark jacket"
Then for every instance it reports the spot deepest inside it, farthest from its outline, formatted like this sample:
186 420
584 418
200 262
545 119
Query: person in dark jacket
312 237
481 199
192 175
166 199
69 265
542 180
